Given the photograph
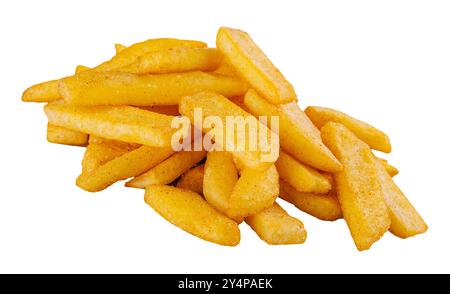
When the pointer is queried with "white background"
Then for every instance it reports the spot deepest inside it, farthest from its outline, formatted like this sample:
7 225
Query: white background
386 62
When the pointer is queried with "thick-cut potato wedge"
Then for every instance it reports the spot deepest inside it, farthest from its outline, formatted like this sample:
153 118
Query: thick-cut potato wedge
120 88
119 47
298 136
322 206
375 138
254 66
220 178
124 166
226 69
213 104
60 135
123 123
163 109
392 170
254 191
276 227
81 68
180 59
358 188
43 92
131 54
168 170
193 179
405 220
191 213
303 178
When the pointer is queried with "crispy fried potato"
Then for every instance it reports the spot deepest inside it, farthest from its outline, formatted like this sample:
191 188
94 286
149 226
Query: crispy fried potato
127 146
322 206
119 47
298 136
254 66
226 69
191 213
254 191
220 178
303 178
168 170
213 104
163 109
405 220
375 138
60 135
123 123
43 92
131 54
392 170
126 165
358 188
276 227
119 88
81 68
173 60
192 180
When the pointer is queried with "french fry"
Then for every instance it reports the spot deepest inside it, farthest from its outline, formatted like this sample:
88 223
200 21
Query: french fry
81 68
375 138
97 154
254 66
220 178
298 136
358 188
126 146
276 227
119 47
405 220
213 104
131 54
43 92
303 178
254 191
191 213
60 135
392 170
123 123
168 170
322 206
192 180
119 88
127 165
175 60
226 69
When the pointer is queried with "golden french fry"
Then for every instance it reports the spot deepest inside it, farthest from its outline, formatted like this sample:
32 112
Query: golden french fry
123 123
303 178
60 135
298 136
405 220
212 104
119 47
43 92
253 65
254 191
276 227
126 146
173 60
375 138
226 69
191 213
392 170
192 180
168 170
131 54
126 165
81 68
322 206
220 178
119 88
358 188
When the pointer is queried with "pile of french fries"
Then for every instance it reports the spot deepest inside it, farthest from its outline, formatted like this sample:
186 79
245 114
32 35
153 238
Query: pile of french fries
122 111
